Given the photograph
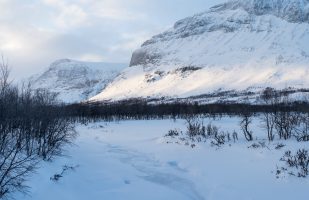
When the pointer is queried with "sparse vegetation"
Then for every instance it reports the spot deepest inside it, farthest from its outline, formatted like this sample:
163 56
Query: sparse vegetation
195 128
279 146
244 125
197 132
173 133
220 139
56 177
188 69
296 165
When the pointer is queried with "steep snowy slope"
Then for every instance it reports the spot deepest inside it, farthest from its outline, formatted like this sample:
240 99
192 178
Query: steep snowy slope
243 45
75 81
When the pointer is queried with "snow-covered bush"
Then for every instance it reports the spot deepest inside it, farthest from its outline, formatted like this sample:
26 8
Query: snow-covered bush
56 177
197 132
297 164
259 145
212 130
220 139
172 133
195 127
303 137
279 146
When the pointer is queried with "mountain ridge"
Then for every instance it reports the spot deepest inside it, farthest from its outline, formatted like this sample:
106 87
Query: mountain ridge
76 81
290 10
227 48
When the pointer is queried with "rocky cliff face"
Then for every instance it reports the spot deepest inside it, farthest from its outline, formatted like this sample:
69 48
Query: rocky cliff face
242 45
296 11
76 81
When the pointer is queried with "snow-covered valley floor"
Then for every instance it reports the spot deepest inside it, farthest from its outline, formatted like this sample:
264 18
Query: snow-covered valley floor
131 160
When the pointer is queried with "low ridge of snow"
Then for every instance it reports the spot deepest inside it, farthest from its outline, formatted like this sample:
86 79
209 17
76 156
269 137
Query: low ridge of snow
233 46
75 81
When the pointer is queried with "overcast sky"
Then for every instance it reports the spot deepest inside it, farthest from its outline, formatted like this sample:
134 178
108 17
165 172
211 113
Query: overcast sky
34 33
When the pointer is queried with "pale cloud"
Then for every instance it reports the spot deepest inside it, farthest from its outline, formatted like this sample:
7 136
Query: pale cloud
33 33
92 57
67 15
71 16
10 41
131 41
116 9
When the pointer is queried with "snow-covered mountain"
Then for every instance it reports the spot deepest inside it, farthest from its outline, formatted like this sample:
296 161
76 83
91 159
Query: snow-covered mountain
242 45
75 81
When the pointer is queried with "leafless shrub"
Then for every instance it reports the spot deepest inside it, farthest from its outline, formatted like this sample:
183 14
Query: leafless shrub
235 136
302 130
172 133
297 165
268 123
33 126
56 177
4 75
195 128
15 163
279 146
197 132
219 139
285 124
212 130
244 124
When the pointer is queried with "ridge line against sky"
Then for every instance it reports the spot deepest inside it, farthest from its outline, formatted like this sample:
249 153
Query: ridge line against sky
34 33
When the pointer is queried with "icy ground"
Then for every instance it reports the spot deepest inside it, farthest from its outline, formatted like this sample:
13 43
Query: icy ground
130 160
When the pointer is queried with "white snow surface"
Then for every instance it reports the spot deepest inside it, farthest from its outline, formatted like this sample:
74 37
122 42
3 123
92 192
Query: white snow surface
131 160
75 81
234 46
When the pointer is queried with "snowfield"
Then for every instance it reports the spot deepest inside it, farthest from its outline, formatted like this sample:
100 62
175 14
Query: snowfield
133 160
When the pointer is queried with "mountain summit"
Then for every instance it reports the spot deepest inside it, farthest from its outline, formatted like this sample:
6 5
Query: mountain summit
75 81
291 10
243 45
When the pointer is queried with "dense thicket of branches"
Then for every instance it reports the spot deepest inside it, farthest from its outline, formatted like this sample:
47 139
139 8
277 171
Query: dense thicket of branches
33 127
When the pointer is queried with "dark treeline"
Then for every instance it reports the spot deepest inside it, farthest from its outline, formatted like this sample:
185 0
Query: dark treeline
143 110
272 102
279 115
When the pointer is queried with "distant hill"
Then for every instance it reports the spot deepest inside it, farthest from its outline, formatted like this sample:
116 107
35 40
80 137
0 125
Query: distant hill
75 81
